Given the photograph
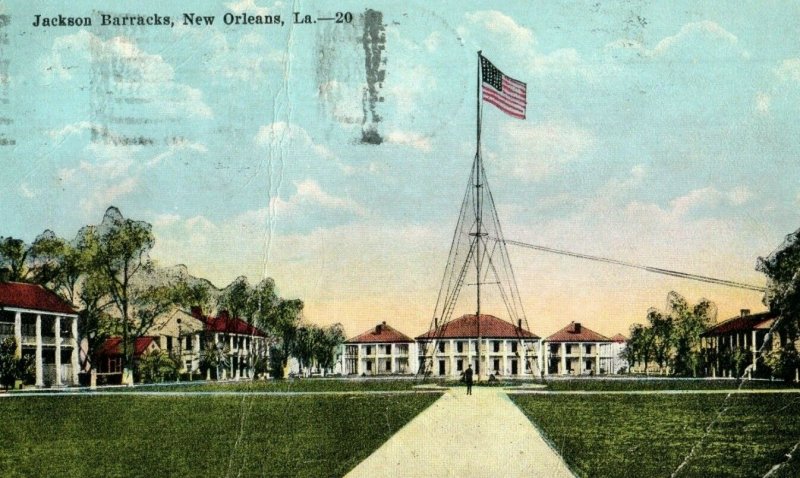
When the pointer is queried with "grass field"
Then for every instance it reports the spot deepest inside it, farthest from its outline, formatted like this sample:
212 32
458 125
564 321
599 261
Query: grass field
649 435
654 383
295 385
197 436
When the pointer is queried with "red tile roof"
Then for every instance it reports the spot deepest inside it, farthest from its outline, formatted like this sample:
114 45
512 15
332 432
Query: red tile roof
381 333
742 323
113 346
575 332
619 338
226 324
32 297
466 326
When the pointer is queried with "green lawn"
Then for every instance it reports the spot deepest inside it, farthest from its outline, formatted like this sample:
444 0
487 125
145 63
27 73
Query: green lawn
152 436
649 435
655 383
289 385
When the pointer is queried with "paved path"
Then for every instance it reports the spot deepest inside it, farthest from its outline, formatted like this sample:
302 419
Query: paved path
482 435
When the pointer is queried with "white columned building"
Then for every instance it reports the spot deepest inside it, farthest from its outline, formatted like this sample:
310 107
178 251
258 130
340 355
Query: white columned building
506 350
35 317
381 350
578 350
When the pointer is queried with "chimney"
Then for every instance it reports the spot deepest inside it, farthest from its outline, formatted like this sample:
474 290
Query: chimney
378 328
519 323
744 312
577 327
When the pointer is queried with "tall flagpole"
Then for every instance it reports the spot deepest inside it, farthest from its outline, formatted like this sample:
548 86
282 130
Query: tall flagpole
478 219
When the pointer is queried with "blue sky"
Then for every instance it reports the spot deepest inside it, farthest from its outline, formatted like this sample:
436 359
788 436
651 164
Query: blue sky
660 133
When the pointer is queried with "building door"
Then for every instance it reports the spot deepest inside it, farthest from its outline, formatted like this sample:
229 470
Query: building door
513 366
441 367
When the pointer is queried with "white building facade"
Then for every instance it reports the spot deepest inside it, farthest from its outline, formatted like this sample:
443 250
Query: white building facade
379 351
578 350
506 350
45 327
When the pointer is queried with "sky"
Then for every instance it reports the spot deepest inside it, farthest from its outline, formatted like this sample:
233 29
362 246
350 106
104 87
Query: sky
333 157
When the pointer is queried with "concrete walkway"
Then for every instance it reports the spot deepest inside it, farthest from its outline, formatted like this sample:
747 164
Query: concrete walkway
482 435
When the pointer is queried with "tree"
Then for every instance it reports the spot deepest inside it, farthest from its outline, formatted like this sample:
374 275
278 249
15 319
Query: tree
640 346
122 253
689 324
661 327
13 260
281 323
782 269
237 299
329 340
9 363
157 366
303 349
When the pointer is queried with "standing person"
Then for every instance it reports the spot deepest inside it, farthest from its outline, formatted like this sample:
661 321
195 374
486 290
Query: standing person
468 379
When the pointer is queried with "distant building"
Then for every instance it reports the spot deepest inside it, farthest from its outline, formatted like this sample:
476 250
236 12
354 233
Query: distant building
743 334
506 350
180 334
109 357
45 327
241 343
618 345
578 350
381 350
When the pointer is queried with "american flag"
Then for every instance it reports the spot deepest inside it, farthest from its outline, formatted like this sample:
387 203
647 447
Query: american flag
503 91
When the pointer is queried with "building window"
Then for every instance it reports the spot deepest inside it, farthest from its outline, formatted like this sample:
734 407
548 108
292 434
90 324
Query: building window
369 365
588 349
169 343
459 365
496 345
388 349
460 347
368 350
569 349
188 342
513 347
441 347
496 365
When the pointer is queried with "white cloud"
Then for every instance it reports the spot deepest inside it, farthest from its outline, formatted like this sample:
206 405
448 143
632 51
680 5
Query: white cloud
103 197
26 191
173 148
690 34
789 70
504 28
690 31
282 135
763 101
521 47
532 151
148 75
408 138
309 194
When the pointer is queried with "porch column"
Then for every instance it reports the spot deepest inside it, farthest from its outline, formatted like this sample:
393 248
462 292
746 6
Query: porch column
755 350
597 359
18 333
452 354
75 351
57 334
358 359
505 356
563 359
39 365
580 359
544 359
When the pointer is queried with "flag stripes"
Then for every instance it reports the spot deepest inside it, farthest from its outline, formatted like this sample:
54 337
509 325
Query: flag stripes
504 92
